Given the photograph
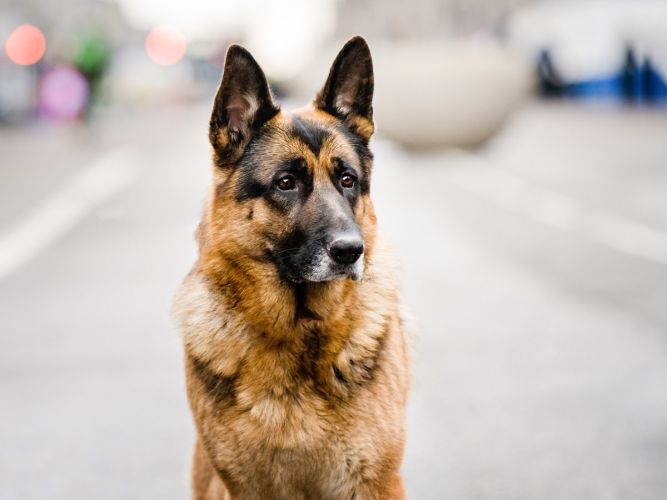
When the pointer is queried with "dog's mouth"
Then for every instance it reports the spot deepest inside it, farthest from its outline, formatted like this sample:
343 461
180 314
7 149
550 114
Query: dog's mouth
317 267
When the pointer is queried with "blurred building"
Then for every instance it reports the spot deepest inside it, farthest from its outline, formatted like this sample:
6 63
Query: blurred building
423 18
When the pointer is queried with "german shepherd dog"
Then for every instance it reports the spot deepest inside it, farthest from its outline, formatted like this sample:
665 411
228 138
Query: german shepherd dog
295 355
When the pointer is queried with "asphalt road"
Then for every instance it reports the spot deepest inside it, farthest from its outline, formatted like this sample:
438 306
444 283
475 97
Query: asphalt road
536 268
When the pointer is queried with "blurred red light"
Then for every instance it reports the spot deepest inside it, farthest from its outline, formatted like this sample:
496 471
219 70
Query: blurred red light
26 45
165 45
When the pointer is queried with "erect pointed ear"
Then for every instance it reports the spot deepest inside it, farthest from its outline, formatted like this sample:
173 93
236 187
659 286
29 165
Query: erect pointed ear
242 105
348 91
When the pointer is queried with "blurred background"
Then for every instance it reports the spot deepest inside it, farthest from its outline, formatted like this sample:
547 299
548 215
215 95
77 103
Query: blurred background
521 172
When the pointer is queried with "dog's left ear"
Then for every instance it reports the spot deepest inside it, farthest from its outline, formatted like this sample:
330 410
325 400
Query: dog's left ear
348 91
242 105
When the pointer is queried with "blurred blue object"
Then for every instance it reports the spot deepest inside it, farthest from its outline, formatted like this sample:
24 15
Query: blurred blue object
636 83
611 50
654 83
601 88
632 76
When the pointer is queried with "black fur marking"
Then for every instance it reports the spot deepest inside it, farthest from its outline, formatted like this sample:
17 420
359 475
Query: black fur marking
350 194
339 375
283 256
309 133
363 153
311 352
297 166
249 186
368 367
221 388
301 309
251 213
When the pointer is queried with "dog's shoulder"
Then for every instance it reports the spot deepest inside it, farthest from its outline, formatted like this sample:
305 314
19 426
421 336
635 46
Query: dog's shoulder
211 332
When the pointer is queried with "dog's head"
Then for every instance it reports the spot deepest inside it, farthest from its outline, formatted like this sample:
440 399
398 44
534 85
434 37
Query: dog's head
292 189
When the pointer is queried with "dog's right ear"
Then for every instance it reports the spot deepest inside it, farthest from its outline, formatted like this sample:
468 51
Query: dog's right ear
242 105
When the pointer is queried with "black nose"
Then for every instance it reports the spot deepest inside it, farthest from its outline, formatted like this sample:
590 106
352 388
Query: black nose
346 249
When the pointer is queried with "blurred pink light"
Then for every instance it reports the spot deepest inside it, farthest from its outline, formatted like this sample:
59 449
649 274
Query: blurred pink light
165 45
26 45
63 93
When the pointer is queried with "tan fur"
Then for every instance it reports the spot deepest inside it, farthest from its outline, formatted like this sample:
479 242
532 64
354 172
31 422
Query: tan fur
291 406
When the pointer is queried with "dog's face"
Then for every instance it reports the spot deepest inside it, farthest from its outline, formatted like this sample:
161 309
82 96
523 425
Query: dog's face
293 189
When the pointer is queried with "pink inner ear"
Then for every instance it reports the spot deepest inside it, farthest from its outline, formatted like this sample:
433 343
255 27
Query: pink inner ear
237 107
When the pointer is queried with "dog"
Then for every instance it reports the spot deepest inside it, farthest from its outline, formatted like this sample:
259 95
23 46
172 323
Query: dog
296 360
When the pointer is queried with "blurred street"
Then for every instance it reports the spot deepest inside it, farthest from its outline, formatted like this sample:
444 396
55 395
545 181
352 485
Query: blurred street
536 268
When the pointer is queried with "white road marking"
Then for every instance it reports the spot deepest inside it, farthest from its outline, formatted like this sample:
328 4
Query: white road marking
548 207
56 215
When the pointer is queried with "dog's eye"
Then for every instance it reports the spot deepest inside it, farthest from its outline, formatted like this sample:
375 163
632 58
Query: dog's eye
347 181
286 183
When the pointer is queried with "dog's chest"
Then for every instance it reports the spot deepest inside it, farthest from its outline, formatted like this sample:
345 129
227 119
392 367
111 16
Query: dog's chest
303 460
283 439
294 474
